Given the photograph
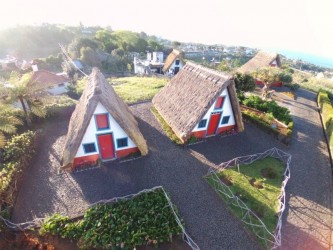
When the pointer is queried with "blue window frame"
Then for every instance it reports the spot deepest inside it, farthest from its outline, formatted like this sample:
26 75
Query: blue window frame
202 123
122 142
225 119
177 62
89 148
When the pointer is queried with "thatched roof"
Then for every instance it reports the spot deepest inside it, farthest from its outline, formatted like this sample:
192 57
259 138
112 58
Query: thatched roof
175 54
99 91
260 60
188 96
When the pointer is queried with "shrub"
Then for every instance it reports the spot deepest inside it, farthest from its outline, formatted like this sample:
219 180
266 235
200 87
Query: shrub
20 148
326 109
280 113
145 219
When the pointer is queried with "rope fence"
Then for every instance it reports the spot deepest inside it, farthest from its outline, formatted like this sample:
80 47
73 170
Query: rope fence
272 240
38 221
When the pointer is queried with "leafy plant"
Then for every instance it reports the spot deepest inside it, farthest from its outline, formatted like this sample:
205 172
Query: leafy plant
20 147
146 219
280 113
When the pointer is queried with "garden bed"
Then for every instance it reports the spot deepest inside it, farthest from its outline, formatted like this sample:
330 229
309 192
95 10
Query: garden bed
146 219
268 123
253 188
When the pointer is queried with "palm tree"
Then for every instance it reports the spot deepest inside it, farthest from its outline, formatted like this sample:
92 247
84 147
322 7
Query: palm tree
31 96
8 122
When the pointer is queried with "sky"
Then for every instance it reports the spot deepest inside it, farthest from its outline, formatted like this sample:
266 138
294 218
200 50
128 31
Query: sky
304 26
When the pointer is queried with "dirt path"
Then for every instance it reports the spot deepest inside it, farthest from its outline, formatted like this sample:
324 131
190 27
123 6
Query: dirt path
180 171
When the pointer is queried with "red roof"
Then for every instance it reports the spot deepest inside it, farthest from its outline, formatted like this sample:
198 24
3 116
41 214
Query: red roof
43 76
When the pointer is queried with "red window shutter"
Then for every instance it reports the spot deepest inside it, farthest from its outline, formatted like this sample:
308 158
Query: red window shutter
219 102
102 121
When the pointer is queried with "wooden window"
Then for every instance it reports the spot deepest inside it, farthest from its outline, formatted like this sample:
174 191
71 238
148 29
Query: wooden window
177 62
225 119
219 102
102 121
123 142
202 123
89 148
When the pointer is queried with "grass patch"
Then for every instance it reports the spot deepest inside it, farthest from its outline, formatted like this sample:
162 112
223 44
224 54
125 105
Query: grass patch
167 129
258 185
136 89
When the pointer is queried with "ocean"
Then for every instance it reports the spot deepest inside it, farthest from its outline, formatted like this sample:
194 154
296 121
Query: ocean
314 59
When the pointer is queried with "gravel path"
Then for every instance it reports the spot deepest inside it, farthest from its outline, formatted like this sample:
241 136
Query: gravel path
180 171
308 221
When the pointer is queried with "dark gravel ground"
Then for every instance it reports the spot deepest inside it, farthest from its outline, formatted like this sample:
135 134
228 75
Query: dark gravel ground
181 170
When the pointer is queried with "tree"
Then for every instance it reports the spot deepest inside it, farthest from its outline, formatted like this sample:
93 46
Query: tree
270 75
224 66
74 48
244 82
90 57
30 95
8 122
176 44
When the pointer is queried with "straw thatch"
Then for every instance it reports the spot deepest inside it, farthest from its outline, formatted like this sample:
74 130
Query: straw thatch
175 54
186 99
262 59
99 91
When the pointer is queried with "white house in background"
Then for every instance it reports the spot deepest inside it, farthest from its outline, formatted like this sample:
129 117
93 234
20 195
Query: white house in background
153 64
101 128
174 62
57 83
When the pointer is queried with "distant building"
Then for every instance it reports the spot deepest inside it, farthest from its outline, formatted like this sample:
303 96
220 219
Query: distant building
261 60
56 83
8 64
174 62
152 65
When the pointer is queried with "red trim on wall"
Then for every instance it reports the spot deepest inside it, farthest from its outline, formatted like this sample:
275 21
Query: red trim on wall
85 160
125 152
199 134
225 129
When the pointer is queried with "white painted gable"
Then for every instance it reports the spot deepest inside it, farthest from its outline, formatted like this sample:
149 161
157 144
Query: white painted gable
226 111
92 132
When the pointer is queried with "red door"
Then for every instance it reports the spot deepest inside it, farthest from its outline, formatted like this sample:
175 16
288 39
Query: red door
213 123
106 149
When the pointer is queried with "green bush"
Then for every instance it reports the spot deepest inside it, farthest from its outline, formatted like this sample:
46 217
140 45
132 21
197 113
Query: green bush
326 109
146 219
280 113
20 148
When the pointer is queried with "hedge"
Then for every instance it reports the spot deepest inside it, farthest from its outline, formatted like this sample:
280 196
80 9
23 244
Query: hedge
326 109
146 219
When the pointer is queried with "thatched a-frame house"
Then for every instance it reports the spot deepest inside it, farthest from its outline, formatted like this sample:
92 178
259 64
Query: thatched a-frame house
102 127
200 102
260 60
174 62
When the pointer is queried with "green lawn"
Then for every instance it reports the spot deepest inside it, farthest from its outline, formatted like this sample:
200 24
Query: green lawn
136 89
262 201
